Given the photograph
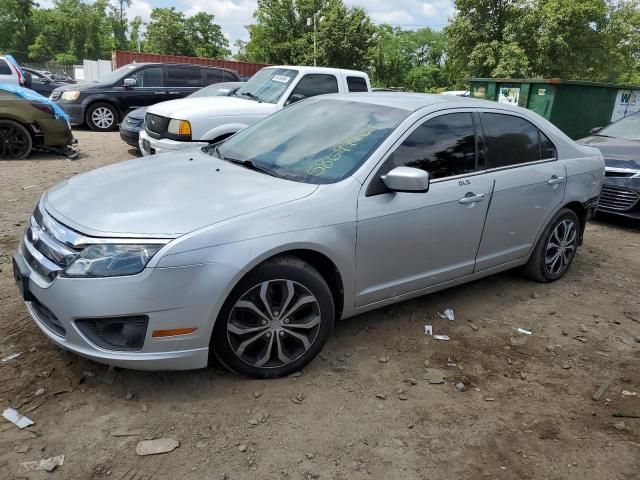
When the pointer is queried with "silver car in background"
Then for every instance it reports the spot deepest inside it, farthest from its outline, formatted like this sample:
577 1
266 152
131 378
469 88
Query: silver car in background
252 248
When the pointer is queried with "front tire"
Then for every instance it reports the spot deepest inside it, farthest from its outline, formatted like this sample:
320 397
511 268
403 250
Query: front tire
275 321
15 141
102 117
556 248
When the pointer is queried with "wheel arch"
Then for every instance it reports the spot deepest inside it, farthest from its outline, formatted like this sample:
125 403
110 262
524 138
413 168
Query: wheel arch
325 266
108 101
579 209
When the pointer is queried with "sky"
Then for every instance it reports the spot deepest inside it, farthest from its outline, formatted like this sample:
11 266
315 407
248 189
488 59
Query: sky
233 15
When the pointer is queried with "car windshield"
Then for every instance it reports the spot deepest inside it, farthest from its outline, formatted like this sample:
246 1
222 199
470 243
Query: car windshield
313 141
267 85
215 90
628 128
116 74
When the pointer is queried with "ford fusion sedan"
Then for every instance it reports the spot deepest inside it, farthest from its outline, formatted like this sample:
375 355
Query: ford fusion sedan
620 145
251 249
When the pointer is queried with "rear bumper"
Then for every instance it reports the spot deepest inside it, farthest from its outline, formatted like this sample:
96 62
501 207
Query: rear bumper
163 145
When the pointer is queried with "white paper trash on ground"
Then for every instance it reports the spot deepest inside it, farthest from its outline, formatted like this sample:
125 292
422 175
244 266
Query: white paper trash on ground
48 464
14 417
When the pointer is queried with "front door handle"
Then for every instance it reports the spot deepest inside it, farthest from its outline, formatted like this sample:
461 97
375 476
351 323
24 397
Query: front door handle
174 93
471 198
555 180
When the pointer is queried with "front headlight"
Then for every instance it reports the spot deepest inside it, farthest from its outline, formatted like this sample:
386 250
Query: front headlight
111 260
179 127
70 95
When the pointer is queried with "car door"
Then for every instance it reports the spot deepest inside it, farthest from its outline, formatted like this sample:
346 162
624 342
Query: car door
147 89
183 80
529 185
6 74
410 241
313 84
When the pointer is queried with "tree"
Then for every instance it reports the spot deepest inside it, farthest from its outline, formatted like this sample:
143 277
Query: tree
135 40
206 37
171 33
118 17
16 27
281 34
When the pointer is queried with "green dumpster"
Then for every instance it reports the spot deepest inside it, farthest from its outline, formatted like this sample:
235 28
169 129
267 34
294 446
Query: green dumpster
575 107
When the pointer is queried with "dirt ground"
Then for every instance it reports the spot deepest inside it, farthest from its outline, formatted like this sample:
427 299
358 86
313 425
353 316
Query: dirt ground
364 409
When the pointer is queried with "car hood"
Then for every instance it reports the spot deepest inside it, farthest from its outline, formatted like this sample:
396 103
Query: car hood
165 195
617 152
81 87
203 107
137 114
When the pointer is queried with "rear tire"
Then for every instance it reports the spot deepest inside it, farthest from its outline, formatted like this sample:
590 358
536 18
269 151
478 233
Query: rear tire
556 248
15 141
275 321
102 117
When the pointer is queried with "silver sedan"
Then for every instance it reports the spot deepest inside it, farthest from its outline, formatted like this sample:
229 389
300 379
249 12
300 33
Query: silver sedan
253 248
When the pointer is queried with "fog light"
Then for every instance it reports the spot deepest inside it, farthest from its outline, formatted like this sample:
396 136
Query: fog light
118 333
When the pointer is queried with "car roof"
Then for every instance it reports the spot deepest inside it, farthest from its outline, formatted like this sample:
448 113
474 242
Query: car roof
416 101
173 64
307 69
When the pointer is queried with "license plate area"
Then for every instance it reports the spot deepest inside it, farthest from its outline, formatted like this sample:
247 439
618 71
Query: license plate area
21 277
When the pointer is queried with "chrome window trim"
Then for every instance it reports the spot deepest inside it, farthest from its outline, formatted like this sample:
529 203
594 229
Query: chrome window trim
622 170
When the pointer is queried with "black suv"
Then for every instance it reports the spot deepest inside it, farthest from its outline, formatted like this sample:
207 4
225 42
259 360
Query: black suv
102 105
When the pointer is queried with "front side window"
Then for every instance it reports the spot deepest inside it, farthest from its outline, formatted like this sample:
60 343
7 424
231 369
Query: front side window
444 146
357 84
315 141
511 140
316 84
184 77
148 77
268 85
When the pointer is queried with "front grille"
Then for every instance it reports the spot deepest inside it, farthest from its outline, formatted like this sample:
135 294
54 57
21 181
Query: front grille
47 317
619 174
55 95
156 125
47 245
618 198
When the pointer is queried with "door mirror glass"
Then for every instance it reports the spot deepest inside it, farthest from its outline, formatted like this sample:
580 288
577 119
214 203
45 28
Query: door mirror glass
407 179
295 97
129 82
595 130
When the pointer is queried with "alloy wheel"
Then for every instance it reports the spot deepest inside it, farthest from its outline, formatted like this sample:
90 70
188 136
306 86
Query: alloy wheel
102 117
560 248
13 142
273 323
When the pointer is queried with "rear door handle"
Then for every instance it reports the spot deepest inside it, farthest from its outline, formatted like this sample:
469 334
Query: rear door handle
471 198
159 93
174 93
555 180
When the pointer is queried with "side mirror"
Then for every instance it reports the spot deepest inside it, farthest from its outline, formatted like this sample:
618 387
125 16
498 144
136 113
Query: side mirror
407 179
296 97
129 82
595 130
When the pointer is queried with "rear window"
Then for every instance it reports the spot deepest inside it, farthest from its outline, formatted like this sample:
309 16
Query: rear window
357 84
213 76
4 68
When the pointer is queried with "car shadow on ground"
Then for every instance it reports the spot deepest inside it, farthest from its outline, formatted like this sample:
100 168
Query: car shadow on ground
616 221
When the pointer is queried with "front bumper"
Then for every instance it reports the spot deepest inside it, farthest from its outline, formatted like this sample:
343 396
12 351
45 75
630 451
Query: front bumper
130 136
53 133
150 146
171 298
75 112
621 197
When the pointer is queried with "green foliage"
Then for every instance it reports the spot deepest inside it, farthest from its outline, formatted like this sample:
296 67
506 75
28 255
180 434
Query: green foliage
16 27
171 33
281 34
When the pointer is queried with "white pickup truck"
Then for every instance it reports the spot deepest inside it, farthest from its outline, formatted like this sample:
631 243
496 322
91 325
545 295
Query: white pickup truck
190 122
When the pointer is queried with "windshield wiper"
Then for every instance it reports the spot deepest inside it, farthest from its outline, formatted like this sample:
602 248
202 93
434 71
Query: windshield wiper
252 96
246 164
